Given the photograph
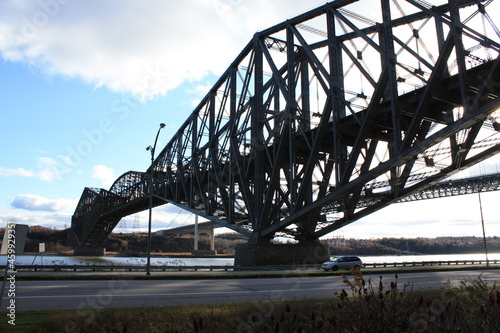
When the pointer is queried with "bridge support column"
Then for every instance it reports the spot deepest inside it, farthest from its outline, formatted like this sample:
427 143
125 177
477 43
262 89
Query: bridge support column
196 233
212 239
211 234
21 232
267 254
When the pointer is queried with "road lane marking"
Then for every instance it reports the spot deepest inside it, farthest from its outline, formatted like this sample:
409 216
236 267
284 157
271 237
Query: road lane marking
177 294
45 287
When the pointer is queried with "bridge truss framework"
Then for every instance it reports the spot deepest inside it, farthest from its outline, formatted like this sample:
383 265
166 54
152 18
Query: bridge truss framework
315 113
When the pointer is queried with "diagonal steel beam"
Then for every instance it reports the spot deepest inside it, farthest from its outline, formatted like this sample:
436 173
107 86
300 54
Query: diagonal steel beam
467 121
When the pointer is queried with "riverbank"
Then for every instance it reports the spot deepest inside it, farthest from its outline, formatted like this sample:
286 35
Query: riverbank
127 255
169 255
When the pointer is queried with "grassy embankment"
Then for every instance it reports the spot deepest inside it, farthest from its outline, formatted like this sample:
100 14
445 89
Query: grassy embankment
364 306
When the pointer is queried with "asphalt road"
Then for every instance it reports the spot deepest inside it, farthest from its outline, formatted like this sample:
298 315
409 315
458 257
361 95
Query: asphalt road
84 295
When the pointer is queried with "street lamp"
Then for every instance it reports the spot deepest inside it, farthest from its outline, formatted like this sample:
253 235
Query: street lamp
484 233
150 190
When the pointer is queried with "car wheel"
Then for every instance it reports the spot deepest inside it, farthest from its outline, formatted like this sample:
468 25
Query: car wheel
334 268
357 267
326 269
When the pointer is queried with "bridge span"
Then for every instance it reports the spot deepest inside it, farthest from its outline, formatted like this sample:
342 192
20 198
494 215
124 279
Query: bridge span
324 119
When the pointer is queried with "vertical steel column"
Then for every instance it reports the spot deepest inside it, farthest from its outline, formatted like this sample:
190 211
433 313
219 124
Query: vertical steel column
194 159
337 92
440 36
212 155
456 26
388 58
306 94
291 112
305 118
232 155
456 31
180 168
257 118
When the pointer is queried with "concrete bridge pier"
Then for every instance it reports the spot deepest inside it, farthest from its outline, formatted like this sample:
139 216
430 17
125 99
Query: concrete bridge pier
14 238
211 234
265 253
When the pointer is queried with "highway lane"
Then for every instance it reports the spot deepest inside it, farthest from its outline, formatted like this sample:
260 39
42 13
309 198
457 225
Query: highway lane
84 295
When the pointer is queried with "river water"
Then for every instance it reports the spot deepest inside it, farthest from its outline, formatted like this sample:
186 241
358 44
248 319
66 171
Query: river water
176 261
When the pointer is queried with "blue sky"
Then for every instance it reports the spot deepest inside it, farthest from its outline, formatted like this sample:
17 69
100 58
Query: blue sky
84 85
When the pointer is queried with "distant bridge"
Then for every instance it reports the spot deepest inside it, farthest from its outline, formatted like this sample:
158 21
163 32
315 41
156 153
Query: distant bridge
190 228
324 119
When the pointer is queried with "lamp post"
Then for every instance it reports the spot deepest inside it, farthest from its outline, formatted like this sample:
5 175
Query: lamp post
484 233
150 190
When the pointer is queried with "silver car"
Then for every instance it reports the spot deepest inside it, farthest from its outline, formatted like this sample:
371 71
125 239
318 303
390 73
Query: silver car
342 263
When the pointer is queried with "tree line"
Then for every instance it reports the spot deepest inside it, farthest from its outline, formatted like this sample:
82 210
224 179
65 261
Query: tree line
401 246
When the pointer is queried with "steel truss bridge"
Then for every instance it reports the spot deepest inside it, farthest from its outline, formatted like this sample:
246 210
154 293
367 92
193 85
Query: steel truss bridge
324 119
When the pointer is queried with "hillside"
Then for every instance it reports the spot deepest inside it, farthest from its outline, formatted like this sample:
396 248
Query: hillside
399 246
129 243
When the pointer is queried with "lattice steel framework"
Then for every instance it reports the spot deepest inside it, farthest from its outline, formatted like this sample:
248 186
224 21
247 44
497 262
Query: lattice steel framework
296 136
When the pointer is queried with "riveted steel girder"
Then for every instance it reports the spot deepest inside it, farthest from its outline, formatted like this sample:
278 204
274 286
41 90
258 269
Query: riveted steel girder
316 111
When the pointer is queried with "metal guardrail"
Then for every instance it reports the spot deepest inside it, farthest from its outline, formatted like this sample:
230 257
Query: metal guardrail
131 268
432 263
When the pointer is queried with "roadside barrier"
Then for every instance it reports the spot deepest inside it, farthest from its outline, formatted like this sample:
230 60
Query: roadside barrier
432 263
132 268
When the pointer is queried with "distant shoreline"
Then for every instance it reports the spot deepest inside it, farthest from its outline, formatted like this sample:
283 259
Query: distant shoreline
125 255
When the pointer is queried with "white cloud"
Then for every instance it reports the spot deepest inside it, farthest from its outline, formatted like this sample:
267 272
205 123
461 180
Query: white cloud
49 169
59 220
144 47
104 174
33 202
56 213
18 172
